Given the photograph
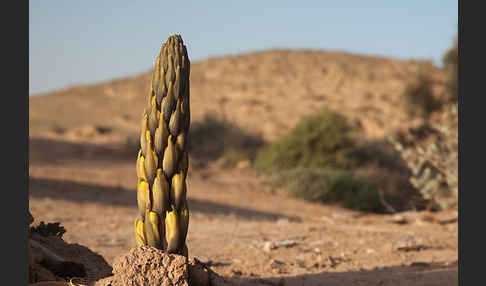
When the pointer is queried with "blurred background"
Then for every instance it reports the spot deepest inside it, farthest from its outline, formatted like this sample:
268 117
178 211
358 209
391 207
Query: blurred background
321 107
87 42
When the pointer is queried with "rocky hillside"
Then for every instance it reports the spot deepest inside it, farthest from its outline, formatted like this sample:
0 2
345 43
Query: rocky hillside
264 93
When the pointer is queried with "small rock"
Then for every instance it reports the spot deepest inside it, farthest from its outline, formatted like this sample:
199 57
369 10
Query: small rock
301 263
399 219
276 263
409 243
447 219
277 266
268 246
283 221
287 243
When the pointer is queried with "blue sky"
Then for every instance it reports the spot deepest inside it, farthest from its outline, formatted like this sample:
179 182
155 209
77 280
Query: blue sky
78 42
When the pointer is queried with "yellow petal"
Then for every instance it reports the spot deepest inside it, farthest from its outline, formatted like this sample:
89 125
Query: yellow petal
175 120
160 194
172 232
178 190
143 198
170 158
151 234
139 233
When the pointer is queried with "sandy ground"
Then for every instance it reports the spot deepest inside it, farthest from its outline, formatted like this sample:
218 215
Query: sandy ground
239 226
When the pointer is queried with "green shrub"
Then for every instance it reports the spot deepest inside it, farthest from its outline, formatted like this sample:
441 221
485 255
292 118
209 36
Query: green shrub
50 229
315 161
330 185
381 164
317 141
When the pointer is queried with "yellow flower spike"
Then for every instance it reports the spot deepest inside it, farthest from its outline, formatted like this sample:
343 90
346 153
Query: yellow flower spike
178 190
160 194
140 233
172 232
143 198
170 158
163 142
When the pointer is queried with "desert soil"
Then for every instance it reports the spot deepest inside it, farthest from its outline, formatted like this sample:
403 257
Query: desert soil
239 225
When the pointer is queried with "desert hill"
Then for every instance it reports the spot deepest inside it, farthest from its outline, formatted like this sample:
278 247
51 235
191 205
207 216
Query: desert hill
264 93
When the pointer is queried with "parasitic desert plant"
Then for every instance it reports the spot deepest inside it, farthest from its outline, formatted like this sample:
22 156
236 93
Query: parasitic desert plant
162 161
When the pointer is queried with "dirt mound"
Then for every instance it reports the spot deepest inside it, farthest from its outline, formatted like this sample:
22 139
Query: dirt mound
52 259
150 266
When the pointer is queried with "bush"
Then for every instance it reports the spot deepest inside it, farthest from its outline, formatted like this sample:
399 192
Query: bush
433 159
49 229
330 185
316 160
316 141
419 96
215 138
381 164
